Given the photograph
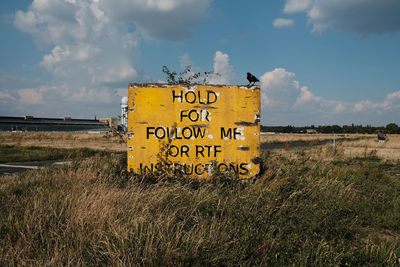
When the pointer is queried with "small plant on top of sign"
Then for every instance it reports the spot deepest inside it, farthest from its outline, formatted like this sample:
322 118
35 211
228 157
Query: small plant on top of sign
187 76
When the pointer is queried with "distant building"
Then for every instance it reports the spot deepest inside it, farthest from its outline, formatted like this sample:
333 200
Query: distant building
111 122
267 133
66 124
311 131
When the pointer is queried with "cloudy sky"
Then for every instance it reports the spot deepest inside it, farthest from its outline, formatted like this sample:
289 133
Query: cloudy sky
319 61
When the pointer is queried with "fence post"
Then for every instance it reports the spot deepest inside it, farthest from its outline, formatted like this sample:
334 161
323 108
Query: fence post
334 143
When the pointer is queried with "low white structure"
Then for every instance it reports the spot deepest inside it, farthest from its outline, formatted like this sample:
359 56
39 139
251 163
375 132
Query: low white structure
124 113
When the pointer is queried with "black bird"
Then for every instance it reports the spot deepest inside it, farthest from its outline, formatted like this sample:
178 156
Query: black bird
251 78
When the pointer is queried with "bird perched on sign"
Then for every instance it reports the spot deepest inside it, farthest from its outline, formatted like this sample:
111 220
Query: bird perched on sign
251 78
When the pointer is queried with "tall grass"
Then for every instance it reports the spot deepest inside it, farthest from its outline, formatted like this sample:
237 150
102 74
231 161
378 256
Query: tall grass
299 212
34 153
64 140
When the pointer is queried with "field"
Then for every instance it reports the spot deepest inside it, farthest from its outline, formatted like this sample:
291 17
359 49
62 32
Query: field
310 206
349 146
64 140
283 137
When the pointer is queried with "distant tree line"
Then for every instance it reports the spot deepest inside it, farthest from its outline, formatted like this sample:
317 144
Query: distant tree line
391 128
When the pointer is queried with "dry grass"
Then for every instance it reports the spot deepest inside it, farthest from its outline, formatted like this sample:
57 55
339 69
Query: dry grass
310 207
298 213
389 150
367 146
283 138
64 140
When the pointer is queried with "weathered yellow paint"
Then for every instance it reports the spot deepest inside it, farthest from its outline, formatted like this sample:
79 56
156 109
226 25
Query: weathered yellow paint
182 111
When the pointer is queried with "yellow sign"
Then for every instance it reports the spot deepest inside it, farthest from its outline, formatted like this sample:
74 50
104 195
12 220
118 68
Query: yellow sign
194 130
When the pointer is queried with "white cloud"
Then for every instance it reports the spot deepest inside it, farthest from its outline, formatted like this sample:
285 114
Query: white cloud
51 61
279 89
281 92
339 108
89 95
30 97
307 101
34 96
121 92
225 72
5 97
59 21
86 43
11 81
25 20
284 101
159 19
92 45
364 105
59 100
392 101
364 17
89 53
295 6
306 96
283 23
184 61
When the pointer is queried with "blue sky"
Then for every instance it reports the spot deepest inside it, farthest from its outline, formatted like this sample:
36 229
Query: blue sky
319 62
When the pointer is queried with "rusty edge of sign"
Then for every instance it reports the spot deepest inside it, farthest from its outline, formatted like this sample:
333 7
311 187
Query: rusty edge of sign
167 85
